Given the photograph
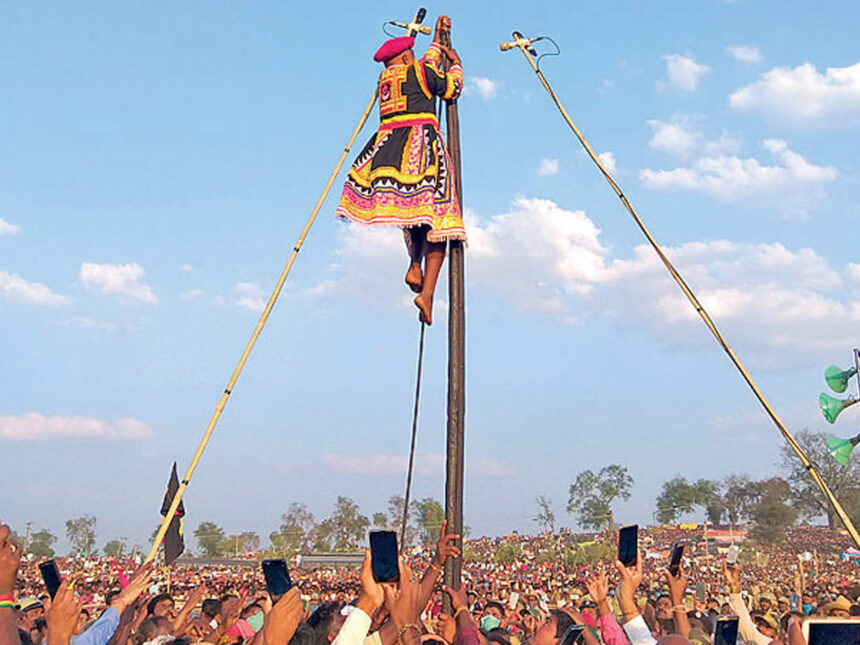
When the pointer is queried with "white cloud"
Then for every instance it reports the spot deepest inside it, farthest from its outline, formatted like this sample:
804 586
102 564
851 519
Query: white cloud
192 294
185 267
776 303
8 229
543 258
248 295
744 53
85 322
682 137
547 167
486 88
793 185
14 288
804 96
426 465
122 280
608 161
32 426
682 73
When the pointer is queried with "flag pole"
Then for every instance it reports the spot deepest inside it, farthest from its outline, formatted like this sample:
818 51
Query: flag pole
523 44
216 415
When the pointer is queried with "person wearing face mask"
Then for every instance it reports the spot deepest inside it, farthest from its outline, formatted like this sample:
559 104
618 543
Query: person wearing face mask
492 616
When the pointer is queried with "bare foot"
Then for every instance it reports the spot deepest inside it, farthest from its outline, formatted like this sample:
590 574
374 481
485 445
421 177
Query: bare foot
425 310
414 278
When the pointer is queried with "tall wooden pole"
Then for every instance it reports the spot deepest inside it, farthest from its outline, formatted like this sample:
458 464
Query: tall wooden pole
456 359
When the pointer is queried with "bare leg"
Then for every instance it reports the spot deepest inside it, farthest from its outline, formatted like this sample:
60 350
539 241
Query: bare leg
424 301
415 246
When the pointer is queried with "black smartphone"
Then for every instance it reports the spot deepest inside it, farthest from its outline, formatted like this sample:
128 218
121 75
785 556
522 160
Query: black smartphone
675 559
51 576
383 556
277 578
700 591
726 632
628 545
572 635
833 632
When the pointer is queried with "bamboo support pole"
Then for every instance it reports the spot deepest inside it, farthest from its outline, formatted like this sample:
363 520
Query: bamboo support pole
216 415
709 323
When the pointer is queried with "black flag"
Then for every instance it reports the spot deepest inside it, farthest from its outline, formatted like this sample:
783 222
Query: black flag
174 543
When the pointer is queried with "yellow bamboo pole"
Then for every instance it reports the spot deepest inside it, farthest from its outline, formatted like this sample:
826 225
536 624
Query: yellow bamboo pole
522 44
216 415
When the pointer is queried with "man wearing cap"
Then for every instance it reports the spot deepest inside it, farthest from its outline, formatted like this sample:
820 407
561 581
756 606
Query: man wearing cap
403 176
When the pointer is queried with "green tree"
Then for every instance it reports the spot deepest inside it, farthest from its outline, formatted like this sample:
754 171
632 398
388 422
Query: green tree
380 521
545 516
239 543
773 513
294 534
395 518
739 496
844 481
81 533
508 553
346 526
592 494
42 544
209 537
114 548
429 515
680 496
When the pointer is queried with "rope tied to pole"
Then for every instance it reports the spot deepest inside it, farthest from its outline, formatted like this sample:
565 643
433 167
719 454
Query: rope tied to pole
404 523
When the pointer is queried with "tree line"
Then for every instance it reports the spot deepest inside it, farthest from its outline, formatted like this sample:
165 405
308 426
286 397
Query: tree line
768 506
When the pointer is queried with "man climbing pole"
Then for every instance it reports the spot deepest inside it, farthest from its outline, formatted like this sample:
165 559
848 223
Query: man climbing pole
402 177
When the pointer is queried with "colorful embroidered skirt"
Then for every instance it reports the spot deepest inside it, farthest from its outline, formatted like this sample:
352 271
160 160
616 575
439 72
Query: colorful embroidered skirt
403 178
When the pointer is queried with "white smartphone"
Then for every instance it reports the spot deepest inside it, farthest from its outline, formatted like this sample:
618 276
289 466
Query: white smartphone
513 599
732 555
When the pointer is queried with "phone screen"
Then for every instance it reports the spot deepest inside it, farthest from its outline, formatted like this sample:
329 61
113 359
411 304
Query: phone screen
572 635
834 633
628 545
732 555
726 632
51 576
277 578
383 556
675 561
700 591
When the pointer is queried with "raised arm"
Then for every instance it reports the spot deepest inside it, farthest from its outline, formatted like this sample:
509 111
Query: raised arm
10 558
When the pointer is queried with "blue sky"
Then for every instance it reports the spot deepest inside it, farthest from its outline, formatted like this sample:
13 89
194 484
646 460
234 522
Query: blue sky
159 160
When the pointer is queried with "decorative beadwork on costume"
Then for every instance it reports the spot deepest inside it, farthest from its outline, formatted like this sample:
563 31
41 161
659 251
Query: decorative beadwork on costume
402 176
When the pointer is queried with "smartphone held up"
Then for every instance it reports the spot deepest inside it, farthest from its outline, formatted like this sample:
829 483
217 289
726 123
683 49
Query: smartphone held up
51 577
277 576
628 545
383 556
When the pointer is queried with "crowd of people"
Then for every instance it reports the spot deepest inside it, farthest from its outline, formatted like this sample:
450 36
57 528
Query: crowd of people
532 597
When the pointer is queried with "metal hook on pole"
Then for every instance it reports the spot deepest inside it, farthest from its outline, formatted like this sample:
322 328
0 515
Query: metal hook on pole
523 44
414 27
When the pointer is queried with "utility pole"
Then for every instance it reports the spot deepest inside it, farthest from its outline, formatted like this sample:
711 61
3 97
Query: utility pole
27 538
456 359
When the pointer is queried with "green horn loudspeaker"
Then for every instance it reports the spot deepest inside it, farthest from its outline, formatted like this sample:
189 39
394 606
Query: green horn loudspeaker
837 378
841 448
831 406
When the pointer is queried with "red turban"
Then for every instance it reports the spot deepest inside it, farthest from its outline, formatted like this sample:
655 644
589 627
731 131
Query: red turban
392 47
